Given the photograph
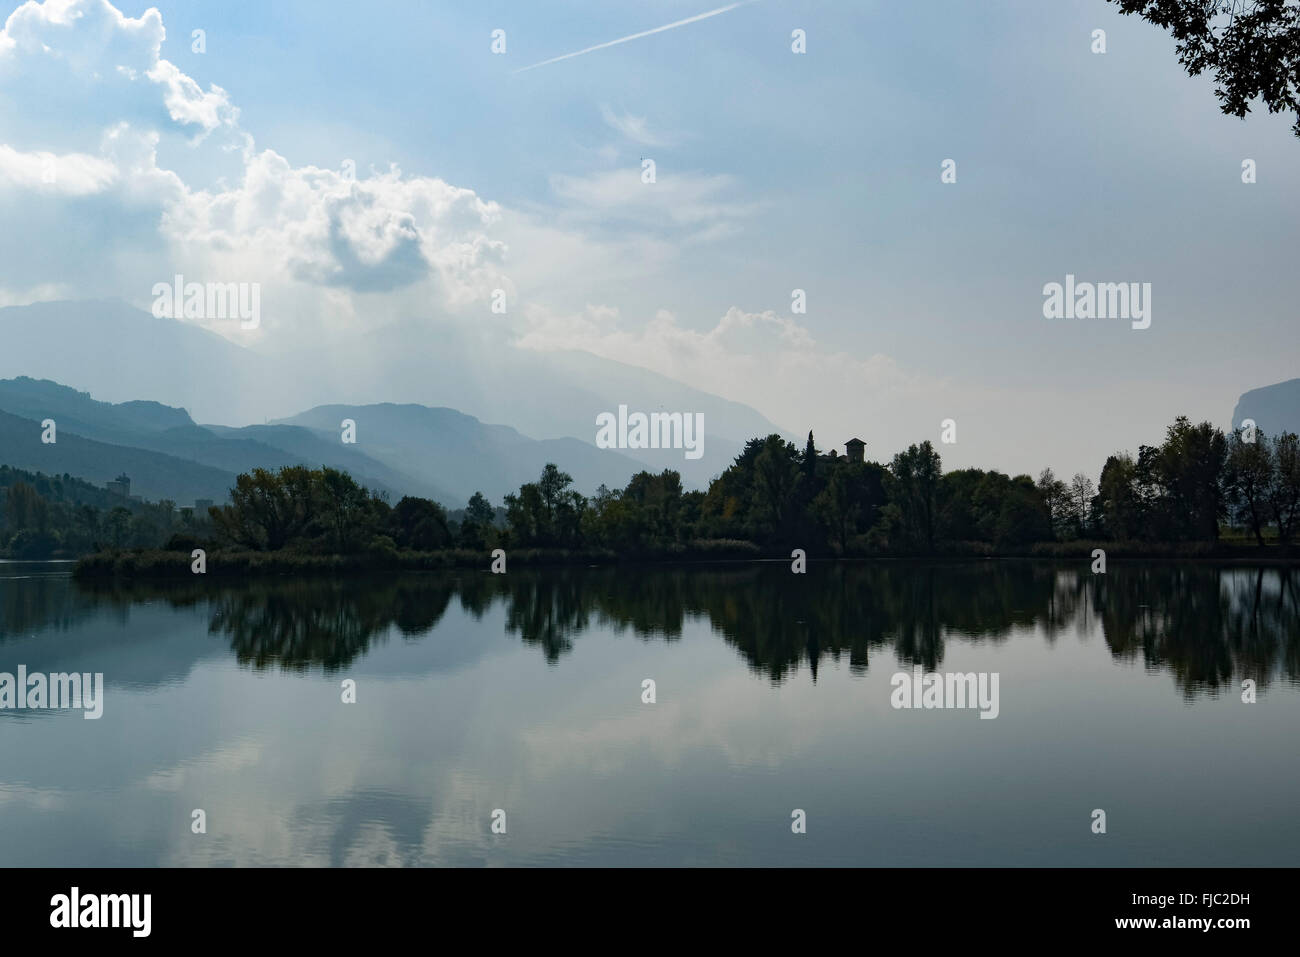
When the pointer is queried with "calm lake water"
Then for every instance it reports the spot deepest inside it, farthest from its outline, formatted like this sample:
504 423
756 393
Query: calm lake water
523 692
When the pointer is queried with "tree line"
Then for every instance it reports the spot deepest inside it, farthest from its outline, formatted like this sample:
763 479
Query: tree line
773 496
49 515
776 495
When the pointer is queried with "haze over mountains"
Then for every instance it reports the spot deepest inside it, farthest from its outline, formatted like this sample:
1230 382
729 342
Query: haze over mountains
119 353
193 461
153 370
465 454
154 476
403 450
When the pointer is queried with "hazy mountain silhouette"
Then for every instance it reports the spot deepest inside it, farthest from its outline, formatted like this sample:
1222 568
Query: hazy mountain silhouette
1275 408
401 449
542 394
302 445
171 431
78 412
153 475
463 454
119 353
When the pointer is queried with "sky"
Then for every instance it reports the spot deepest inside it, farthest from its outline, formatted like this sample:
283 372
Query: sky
375 163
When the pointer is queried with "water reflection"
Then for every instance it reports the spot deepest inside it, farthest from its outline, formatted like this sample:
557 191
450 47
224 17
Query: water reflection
523 691
1207 626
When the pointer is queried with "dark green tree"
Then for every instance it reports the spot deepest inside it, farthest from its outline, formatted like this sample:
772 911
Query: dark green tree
1248 476
1250 47
1284 490
1189 469
842 503
419 524
552 486
1121 504
776 470
480 517
344 510
916 475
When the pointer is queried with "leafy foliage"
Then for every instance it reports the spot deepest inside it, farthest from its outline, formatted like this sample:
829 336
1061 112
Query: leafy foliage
1251 47
773 497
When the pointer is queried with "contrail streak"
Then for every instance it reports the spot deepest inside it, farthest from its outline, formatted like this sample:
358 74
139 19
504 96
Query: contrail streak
643 33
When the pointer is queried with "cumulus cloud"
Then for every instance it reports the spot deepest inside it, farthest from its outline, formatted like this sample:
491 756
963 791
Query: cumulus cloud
327 245
325 227
98 66
75 174
319 230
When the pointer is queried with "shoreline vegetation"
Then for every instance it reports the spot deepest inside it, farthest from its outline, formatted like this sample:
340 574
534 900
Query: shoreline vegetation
158 564
1200 495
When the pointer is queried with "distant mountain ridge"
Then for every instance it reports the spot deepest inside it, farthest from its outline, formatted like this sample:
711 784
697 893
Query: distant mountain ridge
171 431
465 454
409 449
118 352
40 397
153 475
1274 408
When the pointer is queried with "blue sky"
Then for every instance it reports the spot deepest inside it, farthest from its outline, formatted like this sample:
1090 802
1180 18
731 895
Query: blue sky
775 171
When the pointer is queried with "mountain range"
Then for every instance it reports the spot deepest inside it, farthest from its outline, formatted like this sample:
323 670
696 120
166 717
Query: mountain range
163 378
120 353
400 449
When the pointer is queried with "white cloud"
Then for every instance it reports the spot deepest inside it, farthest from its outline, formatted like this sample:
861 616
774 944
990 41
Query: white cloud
371 234
74 174
328 248
186 101
99 66
635 128
303 232
685 205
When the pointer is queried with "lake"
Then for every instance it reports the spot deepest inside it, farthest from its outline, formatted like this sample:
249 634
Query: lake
518 699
